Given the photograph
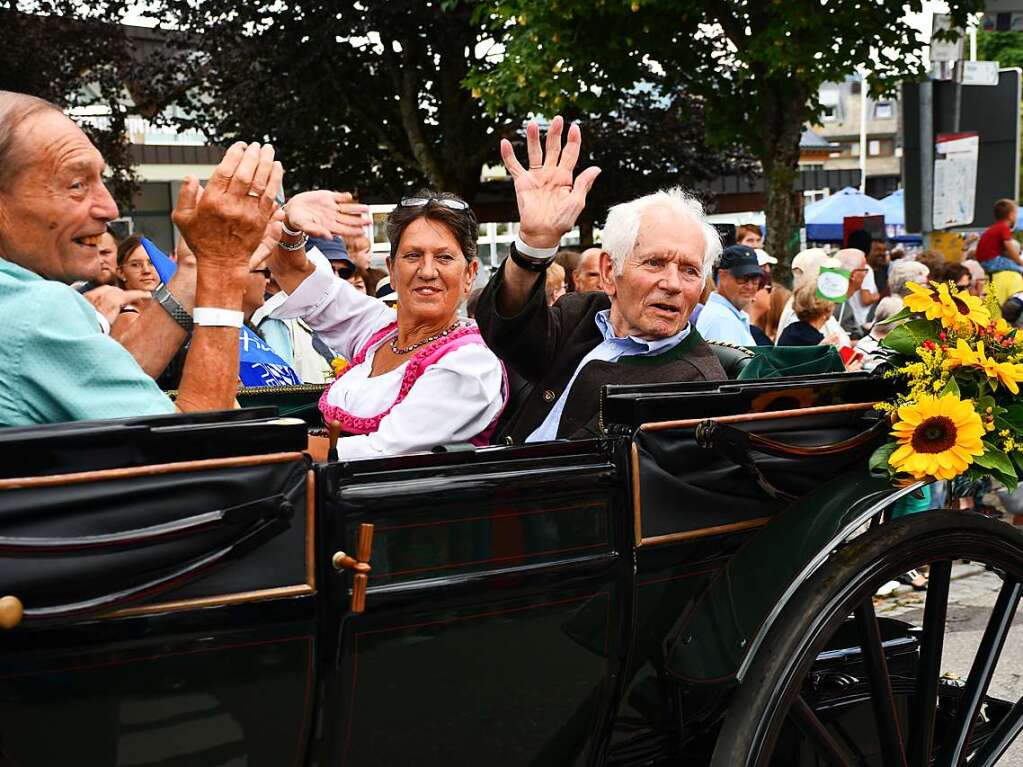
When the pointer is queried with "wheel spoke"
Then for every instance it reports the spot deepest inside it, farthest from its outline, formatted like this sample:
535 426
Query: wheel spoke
810 725
982 670
892 751
932 640
1002 737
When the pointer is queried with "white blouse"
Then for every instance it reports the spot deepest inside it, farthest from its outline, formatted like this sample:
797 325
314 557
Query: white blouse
454 399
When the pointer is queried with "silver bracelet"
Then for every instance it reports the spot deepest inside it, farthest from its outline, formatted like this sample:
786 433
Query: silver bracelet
298 245
287 229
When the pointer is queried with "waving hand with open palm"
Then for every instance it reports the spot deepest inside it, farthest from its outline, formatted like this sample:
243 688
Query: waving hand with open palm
549 199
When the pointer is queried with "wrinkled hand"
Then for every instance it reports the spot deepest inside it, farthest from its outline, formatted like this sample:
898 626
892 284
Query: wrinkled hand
548 199
108 300
224 223
325 214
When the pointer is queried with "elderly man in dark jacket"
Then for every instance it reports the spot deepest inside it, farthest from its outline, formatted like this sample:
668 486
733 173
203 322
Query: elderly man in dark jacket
657 251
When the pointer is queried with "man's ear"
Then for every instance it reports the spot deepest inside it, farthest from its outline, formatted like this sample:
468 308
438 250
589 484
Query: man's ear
607 273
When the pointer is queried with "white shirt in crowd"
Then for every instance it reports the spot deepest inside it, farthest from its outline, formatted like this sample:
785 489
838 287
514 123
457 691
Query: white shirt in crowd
454 400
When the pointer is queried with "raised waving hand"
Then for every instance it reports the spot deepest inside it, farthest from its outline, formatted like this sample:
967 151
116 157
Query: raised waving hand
549 198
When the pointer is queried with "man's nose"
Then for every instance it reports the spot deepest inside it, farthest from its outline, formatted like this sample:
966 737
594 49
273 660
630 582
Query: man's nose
672 279
103 206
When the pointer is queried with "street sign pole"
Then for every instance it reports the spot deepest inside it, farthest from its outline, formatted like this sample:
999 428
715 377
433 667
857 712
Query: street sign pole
926 158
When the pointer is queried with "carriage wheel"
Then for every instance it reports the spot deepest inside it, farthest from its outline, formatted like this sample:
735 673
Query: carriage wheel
927 721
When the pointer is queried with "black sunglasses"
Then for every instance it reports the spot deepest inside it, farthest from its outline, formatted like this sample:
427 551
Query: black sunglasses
448 202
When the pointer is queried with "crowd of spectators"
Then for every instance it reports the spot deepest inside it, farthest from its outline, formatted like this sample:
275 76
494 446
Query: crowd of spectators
292 291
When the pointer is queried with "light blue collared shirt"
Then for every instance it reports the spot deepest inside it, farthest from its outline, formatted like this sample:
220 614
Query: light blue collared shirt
611 349
721 321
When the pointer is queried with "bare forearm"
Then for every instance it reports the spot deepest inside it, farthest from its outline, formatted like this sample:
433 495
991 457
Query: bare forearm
155 337
210 378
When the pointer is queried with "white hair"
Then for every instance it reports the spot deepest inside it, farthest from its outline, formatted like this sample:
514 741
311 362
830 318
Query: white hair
622 227
903 271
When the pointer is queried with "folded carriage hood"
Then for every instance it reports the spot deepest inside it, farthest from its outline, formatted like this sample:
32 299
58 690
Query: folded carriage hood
715 642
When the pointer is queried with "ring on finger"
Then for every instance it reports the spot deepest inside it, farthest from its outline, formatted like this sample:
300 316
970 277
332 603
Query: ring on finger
250 193
535 167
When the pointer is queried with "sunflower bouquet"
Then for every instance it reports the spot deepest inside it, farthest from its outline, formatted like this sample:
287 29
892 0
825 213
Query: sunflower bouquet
959 366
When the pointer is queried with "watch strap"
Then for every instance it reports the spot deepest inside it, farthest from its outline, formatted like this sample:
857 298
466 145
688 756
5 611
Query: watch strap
172 306
528 263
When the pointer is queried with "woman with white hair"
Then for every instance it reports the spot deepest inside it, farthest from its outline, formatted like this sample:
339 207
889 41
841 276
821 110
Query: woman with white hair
904 271
657 251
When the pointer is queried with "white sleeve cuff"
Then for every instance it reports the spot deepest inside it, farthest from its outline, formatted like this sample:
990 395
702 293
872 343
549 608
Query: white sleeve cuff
532 252
316 289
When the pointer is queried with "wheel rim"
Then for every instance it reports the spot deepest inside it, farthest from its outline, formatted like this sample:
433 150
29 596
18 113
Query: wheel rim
916 742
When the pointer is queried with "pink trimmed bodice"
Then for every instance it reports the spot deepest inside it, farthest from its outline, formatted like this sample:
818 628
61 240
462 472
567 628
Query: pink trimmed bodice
416 366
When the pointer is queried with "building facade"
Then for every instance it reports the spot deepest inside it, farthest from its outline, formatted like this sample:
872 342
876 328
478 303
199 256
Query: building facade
839 125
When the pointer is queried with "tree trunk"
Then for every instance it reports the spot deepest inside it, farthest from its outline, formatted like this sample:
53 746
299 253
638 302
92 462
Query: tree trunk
783 112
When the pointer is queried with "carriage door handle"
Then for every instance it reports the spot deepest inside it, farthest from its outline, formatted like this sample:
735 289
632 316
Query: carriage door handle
360 564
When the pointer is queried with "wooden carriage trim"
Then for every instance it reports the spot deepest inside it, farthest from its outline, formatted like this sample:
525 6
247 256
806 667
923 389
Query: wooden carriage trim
705 532
748 417
218 600
152 470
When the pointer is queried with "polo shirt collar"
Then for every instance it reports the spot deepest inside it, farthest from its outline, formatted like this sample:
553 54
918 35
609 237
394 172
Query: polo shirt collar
717 298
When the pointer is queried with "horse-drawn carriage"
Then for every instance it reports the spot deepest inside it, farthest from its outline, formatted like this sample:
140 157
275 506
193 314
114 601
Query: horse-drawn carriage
695 588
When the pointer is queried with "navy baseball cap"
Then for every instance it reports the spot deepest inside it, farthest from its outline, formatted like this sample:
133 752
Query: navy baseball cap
740 260
333 249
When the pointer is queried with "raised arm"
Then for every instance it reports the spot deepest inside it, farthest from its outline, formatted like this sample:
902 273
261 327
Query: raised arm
316 214
223 226
549 202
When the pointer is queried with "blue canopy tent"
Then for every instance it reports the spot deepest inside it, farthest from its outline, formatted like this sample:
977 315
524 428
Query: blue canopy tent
895 219
824 218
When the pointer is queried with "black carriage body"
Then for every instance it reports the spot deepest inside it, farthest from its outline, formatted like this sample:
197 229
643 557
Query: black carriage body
186 598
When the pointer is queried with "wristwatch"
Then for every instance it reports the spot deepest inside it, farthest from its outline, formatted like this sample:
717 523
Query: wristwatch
537 261
170 305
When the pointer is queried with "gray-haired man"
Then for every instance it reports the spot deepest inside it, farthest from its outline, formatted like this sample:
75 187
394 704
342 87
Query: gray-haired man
657 251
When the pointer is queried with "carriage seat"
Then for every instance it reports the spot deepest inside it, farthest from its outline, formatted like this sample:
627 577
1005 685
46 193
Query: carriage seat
733 358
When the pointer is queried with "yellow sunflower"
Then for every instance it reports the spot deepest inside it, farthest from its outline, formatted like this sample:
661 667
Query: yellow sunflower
924 300
938 437
1008 374
937 303
965 306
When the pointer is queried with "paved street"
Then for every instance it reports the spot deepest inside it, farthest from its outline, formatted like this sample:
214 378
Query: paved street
972 595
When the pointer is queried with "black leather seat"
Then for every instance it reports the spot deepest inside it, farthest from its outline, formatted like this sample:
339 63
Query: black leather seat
733 358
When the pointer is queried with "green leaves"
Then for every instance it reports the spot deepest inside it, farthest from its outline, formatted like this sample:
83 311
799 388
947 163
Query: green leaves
952 387
907 337
902 314
878 463
1000 465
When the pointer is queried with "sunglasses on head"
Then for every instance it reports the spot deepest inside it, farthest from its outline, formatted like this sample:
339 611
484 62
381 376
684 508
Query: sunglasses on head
448 202
345 271
264 272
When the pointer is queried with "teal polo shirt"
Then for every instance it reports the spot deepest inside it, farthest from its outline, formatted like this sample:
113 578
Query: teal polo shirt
56 365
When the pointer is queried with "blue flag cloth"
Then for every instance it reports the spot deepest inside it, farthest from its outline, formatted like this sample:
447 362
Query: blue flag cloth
259 365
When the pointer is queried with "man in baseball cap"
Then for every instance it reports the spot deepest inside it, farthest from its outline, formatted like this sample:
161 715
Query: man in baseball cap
738 277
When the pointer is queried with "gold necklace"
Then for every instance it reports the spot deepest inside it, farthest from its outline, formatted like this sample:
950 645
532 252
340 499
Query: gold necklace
398 350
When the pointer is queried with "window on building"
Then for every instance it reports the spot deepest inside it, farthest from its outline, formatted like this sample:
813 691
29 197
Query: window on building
854 149
828 113
884 110
829 104
874 148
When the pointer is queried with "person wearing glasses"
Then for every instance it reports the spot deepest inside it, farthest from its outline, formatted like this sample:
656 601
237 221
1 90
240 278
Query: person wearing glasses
737 278
418 376
852 313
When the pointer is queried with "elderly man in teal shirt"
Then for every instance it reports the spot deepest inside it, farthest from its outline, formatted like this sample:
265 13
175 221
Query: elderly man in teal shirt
55 363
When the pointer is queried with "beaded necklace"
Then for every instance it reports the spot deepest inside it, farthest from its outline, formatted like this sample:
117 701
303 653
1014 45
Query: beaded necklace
399 350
